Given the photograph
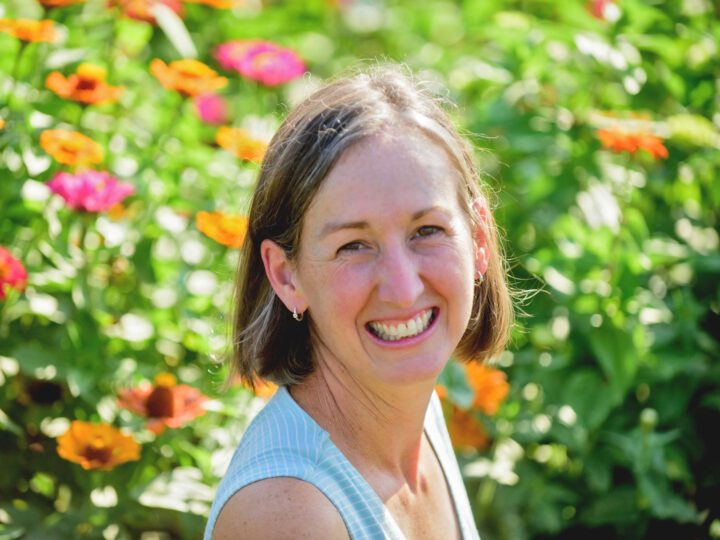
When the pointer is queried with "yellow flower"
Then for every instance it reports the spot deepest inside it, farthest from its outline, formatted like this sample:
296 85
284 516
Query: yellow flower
96 446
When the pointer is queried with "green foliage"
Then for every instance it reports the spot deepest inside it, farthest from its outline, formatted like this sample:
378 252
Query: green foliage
615 386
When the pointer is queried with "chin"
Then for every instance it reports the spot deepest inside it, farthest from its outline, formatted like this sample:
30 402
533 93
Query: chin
415 370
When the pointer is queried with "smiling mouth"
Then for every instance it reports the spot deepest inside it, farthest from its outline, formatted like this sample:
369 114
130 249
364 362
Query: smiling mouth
410 328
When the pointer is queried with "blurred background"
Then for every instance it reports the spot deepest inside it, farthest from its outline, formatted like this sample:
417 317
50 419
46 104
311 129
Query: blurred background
130 137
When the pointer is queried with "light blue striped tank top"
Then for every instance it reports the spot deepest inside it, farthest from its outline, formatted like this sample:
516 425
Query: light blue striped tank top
283 440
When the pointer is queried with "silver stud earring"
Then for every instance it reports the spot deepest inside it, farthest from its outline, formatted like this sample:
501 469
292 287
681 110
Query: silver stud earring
297 316
479 278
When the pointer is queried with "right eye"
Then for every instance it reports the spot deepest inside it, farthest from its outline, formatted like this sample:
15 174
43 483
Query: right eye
351 246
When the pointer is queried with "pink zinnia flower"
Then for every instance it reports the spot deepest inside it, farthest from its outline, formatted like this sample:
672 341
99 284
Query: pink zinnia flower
605 10
91 191
12 273
261 61
211 109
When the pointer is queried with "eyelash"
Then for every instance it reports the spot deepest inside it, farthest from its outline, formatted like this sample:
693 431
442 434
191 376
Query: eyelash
434 230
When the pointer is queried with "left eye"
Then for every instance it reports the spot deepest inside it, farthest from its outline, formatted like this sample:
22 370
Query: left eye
427 230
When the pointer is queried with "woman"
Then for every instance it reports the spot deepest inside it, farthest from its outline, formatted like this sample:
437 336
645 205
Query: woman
371 259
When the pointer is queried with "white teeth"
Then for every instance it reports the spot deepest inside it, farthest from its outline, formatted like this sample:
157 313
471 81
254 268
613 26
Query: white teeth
410 328
413 327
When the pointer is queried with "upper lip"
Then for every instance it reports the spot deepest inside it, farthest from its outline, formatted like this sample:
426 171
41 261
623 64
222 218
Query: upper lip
401 318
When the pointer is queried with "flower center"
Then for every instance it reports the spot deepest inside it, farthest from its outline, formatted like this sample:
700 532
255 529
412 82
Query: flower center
98 451
161 402
87 83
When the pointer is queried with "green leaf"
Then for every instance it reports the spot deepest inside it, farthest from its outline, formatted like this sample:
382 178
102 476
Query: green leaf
175 30
33 358
618 506
617 356
459 391
664 503
586 392
9 425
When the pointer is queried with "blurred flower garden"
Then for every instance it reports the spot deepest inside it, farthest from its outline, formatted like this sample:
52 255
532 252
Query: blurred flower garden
131 132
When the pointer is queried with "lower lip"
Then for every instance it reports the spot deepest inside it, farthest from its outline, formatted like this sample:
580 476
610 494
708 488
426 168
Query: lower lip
408 341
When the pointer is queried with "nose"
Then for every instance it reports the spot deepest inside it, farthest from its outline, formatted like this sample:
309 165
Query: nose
399 280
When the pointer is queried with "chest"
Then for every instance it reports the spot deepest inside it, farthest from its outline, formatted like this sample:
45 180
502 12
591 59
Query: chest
429 515
425 509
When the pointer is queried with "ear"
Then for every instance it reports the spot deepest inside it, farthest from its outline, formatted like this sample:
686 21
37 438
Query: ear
480 232
282 276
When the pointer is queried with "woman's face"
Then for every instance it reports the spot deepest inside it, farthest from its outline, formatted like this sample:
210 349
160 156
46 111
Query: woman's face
386 261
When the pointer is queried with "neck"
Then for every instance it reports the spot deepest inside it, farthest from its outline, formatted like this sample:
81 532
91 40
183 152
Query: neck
379 429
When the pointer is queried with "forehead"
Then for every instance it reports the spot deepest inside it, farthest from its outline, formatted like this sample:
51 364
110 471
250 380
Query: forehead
387 175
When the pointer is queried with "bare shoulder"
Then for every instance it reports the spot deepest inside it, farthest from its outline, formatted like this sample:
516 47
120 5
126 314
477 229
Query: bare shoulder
279 508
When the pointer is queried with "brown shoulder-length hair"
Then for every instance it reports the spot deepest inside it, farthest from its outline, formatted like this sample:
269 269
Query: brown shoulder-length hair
267 342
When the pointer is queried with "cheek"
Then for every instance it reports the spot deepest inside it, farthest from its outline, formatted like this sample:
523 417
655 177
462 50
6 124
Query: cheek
341 290
452 274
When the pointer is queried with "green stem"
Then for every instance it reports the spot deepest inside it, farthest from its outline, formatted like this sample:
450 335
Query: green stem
163 139
15 71
81 114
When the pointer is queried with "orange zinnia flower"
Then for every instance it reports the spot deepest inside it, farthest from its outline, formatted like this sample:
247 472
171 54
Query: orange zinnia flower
466 431
141 10
29 29
622 140
490 386
2 123
220 4
59 3
86 86
70 147
263 389
166 404
227 229
189 77
96 446
241 143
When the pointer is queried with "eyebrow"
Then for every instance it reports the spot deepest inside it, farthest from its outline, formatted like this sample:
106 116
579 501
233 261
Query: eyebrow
333 227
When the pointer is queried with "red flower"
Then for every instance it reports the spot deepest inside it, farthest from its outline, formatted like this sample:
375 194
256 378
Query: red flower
618 139
261 61
12 273
166 404
603 9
